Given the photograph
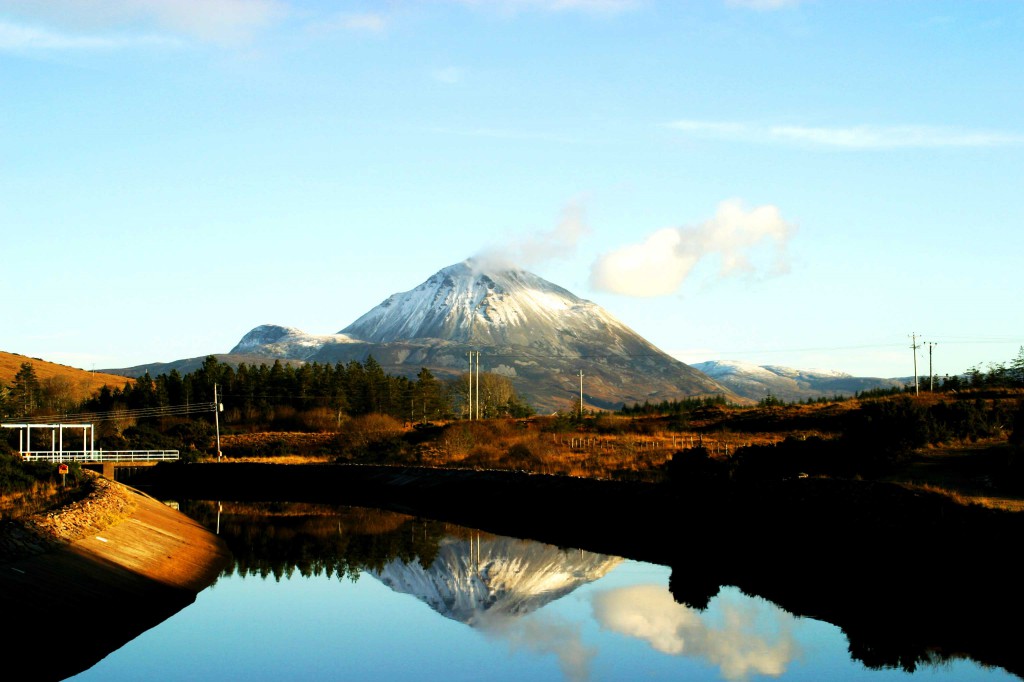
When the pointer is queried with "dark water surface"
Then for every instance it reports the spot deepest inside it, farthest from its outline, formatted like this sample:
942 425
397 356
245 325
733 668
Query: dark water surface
320 592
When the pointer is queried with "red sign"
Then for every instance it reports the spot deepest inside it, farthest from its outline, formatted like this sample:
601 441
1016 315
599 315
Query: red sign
62 469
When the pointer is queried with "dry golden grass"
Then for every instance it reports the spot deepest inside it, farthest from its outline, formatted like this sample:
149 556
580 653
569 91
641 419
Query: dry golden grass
967 499
82 384
508 445
279 459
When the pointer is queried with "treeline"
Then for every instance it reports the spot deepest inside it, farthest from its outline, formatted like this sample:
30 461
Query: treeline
994 375
311 396
872 441
672 407
342 543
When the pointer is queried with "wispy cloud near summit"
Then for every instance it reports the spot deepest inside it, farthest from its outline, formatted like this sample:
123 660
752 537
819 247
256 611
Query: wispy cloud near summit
528 250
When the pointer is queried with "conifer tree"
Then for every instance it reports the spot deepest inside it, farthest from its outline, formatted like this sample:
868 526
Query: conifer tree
25 392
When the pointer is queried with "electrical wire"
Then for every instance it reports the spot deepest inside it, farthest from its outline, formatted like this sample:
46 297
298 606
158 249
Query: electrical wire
163 411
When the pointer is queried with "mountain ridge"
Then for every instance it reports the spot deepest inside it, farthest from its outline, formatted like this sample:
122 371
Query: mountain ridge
788 384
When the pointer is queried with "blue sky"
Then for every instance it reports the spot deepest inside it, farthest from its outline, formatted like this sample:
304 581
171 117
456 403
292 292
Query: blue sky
803 183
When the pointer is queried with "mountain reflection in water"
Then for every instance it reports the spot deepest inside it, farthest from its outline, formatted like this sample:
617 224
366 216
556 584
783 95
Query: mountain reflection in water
322 592
496 584
485 578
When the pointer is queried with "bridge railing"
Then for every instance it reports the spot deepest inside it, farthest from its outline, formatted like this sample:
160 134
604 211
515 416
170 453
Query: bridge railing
100 455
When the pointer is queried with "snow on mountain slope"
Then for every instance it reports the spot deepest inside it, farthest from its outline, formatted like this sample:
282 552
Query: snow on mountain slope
285 342
504 307
477 580
786 383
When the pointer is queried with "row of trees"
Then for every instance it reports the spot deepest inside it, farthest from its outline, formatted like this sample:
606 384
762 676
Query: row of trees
871 441
672 407
312 396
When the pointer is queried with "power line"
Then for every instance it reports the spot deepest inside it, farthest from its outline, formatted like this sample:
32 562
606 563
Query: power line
164 411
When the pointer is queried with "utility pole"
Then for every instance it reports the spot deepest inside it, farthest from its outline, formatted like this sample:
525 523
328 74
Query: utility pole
472 405
914 345
581 394
216 418
470 378
931 374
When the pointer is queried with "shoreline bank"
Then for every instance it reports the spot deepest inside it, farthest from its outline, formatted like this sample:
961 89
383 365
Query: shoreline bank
105 569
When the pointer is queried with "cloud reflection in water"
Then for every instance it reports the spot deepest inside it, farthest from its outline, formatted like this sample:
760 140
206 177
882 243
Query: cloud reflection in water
741 636
540 633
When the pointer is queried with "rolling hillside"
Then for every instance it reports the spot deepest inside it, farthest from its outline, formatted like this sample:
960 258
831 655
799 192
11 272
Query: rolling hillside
80 383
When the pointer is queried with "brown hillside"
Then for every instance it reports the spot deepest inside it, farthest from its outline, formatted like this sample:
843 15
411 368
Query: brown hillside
82 383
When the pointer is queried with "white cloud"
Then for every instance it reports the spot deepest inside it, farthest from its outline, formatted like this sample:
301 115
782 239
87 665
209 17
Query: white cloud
216 21
763 4
751 638
449 75
21 38
863 137
873 137
586 6
367 22
528 250
660 264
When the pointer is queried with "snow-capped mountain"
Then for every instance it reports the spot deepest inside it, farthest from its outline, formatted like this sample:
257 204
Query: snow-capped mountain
476 580
785 383
526 328
503 307
286 342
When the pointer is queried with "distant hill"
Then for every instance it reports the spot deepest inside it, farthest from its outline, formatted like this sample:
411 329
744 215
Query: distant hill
785 383
81 383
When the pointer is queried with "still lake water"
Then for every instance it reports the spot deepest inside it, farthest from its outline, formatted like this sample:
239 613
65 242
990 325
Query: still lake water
341 593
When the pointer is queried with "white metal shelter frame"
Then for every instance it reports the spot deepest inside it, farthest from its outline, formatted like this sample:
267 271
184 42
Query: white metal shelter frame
88 453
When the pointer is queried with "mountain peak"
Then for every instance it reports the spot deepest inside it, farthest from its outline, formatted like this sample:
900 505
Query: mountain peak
477 302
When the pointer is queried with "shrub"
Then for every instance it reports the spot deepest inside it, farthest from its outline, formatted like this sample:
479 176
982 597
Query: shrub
372 437
319 419
520 456
695 468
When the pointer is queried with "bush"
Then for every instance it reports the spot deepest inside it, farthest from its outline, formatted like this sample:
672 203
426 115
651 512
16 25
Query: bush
372 437
319 419
1017 426
695 468
18 476
789 459
521 456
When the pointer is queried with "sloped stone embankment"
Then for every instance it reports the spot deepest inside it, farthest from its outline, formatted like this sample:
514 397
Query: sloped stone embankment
105 568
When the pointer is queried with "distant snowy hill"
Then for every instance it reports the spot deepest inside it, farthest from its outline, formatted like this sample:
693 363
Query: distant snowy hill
526 328
285 342
785 383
